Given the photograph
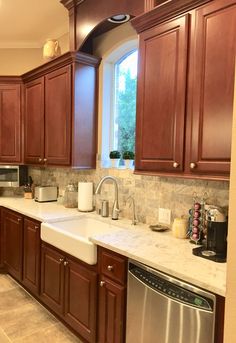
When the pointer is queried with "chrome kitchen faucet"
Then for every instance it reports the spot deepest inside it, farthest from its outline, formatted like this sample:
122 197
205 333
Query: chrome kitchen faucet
115 208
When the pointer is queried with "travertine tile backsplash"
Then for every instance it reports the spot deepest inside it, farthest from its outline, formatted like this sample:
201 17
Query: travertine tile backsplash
149 192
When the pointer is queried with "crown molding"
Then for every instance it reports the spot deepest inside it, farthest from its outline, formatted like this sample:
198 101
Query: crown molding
69 4
69 57
163 12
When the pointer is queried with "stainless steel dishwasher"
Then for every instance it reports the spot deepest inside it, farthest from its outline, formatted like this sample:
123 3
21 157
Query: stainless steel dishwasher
162 309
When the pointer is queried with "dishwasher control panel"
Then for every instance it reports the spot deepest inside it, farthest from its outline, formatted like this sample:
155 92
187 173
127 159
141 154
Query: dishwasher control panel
171 290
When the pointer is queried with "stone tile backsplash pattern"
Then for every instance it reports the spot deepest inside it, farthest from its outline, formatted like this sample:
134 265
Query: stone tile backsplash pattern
149 192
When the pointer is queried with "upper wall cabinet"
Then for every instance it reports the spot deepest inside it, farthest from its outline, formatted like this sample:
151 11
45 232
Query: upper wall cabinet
60 112
210 110
185 89
10 120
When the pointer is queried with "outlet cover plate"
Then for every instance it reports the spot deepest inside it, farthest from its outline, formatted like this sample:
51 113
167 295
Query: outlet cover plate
164 216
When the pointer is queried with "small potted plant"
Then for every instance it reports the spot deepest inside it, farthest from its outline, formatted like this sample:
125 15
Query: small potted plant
115 158
128 157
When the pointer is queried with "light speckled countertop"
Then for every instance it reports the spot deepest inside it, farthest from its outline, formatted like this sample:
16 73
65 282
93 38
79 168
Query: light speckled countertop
161 251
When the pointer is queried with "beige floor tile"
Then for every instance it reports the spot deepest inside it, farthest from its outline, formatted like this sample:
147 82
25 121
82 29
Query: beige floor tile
7 283
57 333
3 337
26 320
13 299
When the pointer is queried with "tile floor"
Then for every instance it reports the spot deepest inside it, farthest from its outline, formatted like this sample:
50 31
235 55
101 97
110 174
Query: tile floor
24 320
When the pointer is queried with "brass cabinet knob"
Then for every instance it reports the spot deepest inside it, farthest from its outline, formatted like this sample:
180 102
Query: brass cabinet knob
192 165
40 159
36 227
19 220
66 263
175 165
102 283
45 160
61 259
110 268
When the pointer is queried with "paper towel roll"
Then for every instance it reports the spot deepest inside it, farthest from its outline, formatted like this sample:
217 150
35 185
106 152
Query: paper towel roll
85 196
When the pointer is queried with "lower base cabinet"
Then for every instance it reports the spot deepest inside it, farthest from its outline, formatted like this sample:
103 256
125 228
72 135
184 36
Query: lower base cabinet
111 312
12 236
112 297
31 255
69 288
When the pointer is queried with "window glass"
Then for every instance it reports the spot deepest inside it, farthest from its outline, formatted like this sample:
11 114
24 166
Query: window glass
124 105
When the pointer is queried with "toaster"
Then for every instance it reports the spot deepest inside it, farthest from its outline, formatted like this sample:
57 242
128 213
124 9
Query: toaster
45 194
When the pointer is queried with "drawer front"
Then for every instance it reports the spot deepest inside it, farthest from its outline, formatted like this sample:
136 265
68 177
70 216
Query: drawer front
114 266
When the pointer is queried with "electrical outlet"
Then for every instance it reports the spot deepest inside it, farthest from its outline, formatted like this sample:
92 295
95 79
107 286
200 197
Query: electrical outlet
164 216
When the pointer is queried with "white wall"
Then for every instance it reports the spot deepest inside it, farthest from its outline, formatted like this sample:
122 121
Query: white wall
230 313
21 60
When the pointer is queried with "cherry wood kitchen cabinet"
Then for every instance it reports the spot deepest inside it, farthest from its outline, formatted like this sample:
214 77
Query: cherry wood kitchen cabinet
12 235
69 288
60 108
10 122
185 88
112 297
31 255
81 299
34 121
58 116
52 278
210 112
161 96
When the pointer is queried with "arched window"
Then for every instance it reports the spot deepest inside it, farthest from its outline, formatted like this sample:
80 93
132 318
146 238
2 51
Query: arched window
119 100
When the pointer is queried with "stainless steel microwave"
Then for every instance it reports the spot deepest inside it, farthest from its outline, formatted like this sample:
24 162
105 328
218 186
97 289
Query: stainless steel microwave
13 176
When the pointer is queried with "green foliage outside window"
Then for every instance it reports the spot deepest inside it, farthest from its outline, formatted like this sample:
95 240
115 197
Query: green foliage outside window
126 109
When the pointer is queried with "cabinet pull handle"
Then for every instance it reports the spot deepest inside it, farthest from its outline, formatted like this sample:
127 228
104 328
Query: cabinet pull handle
19 220
175 165
66 263
102 283
45 160
61 259
110 268
193 165
40 159
36 227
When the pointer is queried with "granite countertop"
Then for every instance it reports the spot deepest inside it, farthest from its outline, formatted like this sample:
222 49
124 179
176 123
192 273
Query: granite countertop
159 250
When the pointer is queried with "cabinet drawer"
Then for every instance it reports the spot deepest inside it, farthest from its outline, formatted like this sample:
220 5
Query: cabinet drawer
113 266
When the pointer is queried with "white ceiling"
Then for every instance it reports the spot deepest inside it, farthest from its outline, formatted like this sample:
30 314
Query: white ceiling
28 23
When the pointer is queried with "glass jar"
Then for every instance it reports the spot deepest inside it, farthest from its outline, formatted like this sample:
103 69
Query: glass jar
71 196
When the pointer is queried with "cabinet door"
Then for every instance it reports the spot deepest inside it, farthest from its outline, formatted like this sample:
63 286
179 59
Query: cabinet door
211 88
58 117
31 262
80 299
12 226
52 278
111 324
10 123
34 121
161 97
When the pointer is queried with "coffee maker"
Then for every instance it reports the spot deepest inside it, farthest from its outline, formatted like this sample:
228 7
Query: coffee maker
215 245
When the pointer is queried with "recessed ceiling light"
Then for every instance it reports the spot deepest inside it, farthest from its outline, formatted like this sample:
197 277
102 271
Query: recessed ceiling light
120 18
